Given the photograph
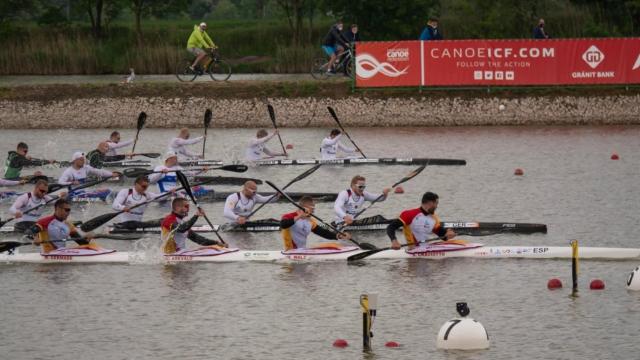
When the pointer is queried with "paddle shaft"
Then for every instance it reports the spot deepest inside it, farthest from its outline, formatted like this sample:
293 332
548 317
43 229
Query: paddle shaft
187 188
366 254
272 115
335 117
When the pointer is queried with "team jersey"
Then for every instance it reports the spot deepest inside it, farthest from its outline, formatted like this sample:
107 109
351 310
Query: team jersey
52 230
128 198
295 232
175 232
28 201
166 181
113 146
72 174
417 225
178 145
15 162
237 204
199 39
257 147
329 148
349 203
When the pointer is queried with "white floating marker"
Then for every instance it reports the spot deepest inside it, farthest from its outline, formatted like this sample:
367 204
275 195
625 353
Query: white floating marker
633 281
462 333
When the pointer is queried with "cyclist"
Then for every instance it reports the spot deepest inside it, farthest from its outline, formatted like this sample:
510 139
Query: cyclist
334 44
199 44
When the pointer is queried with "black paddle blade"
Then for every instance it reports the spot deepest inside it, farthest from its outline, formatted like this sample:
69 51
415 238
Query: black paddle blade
272 114
411 175
208 115
364 254
333 113
240 168
304 175
97 221
55 187
185 184
367 246
142 119
135 172
9 245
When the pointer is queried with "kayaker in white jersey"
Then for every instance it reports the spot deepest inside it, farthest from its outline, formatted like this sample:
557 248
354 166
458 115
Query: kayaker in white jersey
127 198
179 144
296 227
239 205
165 175
331 144
114 144
31 200
257 146
78 172
419 224
349 202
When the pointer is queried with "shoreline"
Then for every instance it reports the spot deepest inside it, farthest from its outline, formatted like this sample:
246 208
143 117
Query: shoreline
242 104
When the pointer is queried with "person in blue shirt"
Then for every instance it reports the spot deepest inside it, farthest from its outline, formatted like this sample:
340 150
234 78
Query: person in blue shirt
431 32
538 31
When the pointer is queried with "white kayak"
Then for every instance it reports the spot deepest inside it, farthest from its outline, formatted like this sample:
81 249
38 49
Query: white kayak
472 250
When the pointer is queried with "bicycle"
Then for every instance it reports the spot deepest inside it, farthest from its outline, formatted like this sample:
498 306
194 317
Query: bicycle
218 69
344 64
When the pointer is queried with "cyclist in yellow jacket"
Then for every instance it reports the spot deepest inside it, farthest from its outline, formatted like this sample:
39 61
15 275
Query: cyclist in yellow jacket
198 43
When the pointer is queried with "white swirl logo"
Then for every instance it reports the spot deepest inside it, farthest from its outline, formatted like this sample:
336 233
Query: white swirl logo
367 67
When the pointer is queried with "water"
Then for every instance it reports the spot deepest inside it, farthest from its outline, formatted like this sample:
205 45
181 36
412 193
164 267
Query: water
275 311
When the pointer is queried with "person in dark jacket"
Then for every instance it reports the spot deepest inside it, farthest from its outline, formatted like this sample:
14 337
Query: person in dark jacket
99 156
538 31
334 44
431 32
352 34
18 159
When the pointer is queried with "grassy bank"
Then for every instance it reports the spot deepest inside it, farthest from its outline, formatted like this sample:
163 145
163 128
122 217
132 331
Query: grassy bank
251 46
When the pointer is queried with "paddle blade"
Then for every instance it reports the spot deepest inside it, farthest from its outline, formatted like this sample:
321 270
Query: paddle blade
10 245
333 114
364 254
240 168
55 187
185 184
135 172
304 175
142 119
97 221
272 114
410 175
208 115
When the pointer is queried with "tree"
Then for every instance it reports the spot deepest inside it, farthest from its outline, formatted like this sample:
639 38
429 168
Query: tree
11 9
158 8
295 11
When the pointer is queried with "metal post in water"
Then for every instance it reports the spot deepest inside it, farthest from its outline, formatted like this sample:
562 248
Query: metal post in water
574 266
368 304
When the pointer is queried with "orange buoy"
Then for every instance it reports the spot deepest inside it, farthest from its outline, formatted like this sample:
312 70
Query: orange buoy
289 146
340 343
596 284
554 283
392 344
398 190
615 156
518 172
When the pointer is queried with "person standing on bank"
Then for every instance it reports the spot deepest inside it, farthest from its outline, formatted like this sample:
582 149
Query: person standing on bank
431 32
539 32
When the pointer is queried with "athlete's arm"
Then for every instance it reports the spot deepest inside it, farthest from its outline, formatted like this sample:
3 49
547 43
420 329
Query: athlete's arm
338 206
118 202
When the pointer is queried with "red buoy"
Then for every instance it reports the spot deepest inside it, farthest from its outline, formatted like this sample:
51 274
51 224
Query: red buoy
289 146
554 283
518 172
398 190
392 344
615 156
596 284
340 343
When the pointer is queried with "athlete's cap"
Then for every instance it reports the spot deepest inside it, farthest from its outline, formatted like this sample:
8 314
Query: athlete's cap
77 155
170 154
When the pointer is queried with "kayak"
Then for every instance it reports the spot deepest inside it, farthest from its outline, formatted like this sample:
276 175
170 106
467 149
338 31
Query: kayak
345 161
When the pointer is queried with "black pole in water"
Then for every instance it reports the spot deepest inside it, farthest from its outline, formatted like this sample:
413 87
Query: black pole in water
574 266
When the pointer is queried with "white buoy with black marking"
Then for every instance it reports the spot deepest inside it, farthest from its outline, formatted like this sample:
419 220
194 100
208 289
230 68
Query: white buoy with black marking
463 333
633 281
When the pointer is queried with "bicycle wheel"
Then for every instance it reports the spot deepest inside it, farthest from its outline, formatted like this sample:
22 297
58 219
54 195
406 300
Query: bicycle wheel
319 68
184 72
219 70
348 70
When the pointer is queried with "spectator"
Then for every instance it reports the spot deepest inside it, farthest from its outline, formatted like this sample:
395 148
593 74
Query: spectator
538 31
352 34
333 45
431 32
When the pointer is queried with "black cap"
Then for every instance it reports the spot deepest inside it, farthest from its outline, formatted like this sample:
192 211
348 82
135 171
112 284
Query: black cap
429 196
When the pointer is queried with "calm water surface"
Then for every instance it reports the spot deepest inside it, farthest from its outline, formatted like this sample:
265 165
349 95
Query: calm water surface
276 311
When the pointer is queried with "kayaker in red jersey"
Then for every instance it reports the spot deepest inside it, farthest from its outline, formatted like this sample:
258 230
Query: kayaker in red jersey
418 224
176 230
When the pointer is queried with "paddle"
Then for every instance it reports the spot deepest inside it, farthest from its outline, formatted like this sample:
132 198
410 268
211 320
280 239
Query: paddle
185 183
272 115
142 119
149 155
100 220
12 244
56 187
207 121
296 179
135 172
335 117
366 254
365 246
409 176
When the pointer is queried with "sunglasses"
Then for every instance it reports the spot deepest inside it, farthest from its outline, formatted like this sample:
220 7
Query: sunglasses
67 209
361 187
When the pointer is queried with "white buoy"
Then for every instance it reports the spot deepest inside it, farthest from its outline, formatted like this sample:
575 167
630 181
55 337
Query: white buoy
462 333
633 281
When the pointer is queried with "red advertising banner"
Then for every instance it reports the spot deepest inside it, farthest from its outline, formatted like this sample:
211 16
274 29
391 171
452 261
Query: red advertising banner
532 62
393 63
499 62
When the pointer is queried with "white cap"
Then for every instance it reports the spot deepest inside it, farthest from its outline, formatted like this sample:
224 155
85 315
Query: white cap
170 154
77 155
203 24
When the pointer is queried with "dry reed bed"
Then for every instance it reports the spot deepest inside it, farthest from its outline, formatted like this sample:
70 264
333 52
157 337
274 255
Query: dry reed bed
305 112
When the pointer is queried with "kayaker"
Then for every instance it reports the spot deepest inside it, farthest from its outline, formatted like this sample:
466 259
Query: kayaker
240 204
349 202
419 223
176 230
